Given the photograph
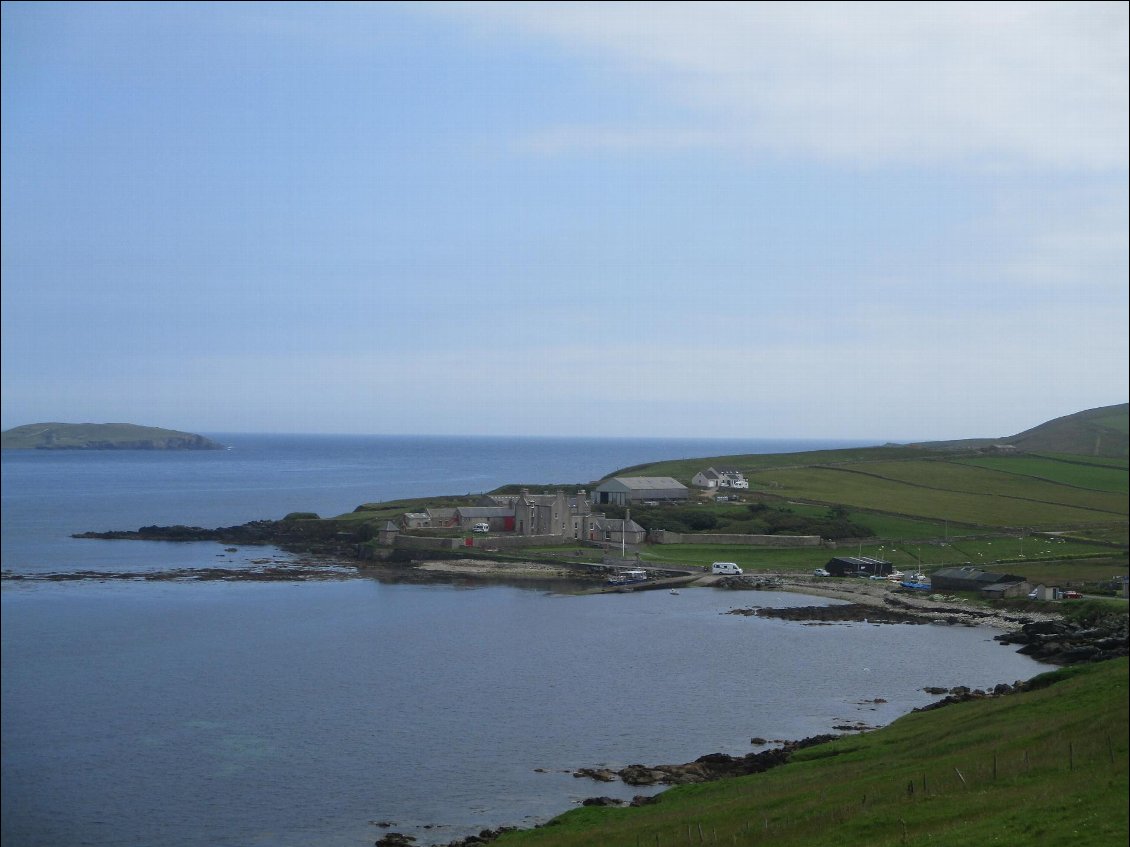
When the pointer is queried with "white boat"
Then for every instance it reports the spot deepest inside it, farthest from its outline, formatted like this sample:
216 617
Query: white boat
629 577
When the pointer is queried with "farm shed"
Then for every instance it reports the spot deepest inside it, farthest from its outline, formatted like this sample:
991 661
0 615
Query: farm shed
1006 589
625 490
856 565
968 579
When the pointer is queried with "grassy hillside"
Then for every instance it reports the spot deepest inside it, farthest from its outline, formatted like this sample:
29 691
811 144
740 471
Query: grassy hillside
1047 767
111 436
1067 473
935 489
1095 432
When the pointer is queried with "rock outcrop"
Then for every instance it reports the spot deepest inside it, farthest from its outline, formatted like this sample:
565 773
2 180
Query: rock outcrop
1064 642
706 768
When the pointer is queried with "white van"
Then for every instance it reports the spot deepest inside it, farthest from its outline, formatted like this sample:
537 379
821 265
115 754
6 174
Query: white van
726 568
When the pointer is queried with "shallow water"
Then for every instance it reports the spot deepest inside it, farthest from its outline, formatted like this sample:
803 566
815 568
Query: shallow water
237 714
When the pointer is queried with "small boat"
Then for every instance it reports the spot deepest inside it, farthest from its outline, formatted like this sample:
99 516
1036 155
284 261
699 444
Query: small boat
916 582
674 591
628 577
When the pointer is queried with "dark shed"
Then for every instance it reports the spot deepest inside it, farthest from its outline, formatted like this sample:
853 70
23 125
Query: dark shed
968 579
857 565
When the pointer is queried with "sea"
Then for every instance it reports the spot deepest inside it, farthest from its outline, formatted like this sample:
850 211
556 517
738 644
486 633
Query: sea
238 714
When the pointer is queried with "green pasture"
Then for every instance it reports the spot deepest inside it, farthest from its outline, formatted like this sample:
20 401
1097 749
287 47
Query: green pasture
1047 767
1095 477
951 476
1007 553
1104 461
1073 573
881 525
866 491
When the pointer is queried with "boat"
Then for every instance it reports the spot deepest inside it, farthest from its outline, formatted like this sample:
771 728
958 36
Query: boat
629 577
916 582
674 591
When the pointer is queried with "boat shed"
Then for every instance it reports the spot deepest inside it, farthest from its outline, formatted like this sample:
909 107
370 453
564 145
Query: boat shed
625 490
858 566
968 578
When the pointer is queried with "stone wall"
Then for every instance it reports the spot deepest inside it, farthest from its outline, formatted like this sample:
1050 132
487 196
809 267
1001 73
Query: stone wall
512 542
479 542
419 542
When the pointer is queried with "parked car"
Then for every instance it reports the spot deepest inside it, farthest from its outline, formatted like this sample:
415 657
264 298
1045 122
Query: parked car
1072 595
820 572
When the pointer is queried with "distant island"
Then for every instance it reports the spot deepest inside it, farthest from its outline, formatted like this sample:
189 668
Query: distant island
108 436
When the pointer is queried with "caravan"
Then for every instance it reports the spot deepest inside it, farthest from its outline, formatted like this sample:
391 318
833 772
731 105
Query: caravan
726 568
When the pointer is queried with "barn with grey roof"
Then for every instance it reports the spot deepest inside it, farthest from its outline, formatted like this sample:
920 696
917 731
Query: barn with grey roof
625 490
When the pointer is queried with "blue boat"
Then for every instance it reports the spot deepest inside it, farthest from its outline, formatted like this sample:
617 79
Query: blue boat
916 582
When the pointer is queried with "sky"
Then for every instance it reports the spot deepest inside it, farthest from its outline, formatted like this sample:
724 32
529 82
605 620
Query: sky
881 221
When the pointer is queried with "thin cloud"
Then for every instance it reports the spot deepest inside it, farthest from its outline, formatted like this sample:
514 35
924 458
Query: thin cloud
973 83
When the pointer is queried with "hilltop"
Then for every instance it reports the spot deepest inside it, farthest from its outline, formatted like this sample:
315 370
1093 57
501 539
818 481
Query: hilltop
1099 432
109 436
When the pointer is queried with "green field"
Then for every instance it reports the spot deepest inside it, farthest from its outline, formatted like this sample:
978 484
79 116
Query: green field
1045 767
919 493
1080 475
1103 461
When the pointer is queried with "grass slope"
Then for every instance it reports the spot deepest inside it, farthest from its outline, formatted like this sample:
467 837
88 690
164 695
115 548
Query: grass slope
1095 432
1046 767
923 491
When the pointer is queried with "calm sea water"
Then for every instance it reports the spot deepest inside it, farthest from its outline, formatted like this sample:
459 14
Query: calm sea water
303 713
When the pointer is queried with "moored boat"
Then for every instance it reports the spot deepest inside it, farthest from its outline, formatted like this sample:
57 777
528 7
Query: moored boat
629 577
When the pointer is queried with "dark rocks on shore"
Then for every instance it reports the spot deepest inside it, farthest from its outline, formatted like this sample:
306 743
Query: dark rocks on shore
1063 642
602 801
709 767
835 614
599 774
748 583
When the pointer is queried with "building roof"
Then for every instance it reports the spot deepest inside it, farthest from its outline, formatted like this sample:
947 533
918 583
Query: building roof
617 525
485 511
968 574
859 560
647 482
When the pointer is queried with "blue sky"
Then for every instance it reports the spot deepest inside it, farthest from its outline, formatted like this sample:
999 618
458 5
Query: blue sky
888 221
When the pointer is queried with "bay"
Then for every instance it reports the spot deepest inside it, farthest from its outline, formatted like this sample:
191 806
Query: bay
303 713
